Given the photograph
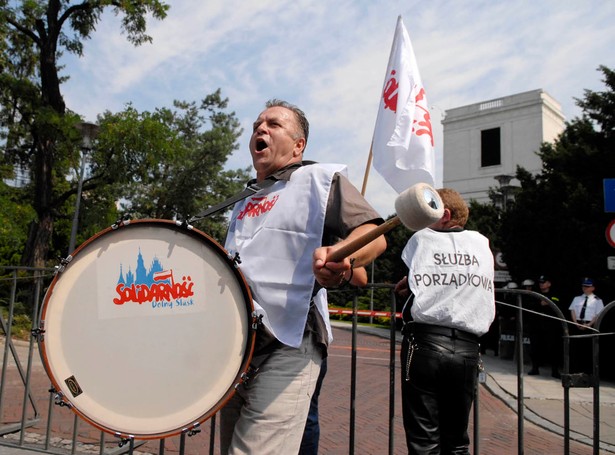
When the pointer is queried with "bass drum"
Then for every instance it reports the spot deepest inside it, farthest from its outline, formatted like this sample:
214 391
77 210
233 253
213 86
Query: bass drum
147 330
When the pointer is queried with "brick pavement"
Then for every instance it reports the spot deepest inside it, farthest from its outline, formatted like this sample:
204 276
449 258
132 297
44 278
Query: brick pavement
498 423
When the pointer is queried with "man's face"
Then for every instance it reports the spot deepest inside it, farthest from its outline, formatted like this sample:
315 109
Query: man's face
544 285
276 141
587 289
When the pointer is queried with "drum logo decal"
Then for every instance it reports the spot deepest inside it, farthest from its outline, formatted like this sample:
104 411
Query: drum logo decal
73 386
156 286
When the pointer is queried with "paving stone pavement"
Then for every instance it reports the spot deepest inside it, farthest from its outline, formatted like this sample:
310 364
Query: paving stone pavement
497 435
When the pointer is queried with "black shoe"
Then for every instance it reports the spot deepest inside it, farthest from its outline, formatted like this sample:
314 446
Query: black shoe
533 372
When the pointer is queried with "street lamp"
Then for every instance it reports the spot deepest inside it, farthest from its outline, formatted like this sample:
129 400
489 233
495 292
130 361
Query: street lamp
506 190
503 179
88 131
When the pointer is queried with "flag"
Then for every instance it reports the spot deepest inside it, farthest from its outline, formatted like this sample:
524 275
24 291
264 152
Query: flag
402 146
164 275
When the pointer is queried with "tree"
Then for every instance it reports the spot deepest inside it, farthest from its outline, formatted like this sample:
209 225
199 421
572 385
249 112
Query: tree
164 164
168 164
389 267
36 127
487 219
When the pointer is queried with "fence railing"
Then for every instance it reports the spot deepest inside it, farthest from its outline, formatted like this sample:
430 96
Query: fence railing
29 410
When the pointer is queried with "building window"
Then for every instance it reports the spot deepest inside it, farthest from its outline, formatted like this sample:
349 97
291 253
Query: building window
490 147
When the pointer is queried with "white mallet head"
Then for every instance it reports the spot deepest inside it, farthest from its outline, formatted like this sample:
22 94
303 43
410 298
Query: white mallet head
419 206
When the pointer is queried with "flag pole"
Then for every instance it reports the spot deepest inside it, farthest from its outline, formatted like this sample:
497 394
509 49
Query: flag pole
367 168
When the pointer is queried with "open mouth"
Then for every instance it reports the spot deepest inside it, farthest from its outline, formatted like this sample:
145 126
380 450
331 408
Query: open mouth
260 145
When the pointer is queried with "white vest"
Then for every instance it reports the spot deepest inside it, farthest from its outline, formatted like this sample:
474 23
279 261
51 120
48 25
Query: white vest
275 233
451 275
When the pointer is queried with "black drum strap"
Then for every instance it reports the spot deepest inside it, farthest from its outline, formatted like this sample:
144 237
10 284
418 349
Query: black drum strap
251 189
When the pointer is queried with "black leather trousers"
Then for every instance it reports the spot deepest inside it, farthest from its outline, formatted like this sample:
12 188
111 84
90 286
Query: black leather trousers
439 375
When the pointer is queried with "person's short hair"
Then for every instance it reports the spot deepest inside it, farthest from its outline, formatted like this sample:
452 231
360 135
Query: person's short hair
454 202
302 120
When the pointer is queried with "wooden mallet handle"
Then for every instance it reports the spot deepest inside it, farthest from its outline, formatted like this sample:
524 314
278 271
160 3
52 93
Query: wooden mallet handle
348 248
417 207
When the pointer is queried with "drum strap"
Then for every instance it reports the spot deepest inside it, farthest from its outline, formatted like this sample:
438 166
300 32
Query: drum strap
251 189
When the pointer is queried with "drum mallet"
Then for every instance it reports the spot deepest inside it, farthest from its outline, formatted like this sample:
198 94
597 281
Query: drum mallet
417 207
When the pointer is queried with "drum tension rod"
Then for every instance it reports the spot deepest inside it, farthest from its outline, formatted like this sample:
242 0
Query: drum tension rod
236 259
58 399
38 334
63 263
257 320
184 224
192 431
121 222
125 440
247 376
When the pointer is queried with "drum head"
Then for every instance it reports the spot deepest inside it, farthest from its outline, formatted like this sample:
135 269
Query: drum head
147 330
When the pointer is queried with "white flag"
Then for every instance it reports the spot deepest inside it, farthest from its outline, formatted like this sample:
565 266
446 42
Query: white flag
402 147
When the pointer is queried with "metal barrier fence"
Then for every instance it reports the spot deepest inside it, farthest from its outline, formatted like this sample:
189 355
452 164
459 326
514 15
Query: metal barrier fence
24 390
569 380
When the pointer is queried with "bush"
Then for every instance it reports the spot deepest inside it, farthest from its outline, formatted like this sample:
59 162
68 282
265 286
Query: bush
22 325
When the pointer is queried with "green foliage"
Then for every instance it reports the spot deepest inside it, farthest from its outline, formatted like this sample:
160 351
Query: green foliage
15 215
36 130
485 218
381 301
170 163
16 294
21 327
162 164
389 267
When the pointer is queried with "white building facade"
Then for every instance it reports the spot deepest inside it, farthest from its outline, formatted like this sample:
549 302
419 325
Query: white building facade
483 143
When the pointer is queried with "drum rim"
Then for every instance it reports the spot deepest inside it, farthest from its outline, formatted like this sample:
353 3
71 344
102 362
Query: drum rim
247 356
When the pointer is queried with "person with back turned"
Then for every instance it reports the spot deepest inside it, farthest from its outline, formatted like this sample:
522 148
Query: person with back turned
450 283
284 235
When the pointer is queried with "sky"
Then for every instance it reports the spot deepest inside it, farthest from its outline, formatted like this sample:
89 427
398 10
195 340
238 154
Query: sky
330 58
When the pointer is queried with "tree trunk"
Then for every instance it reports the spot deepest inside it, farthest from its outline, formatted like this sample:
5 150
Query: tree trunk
45 137
39 238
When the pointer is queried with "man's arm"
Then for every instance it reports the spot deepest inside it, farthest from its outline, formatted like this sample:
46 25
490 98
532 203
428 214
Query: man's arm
330 274
357 277
402 288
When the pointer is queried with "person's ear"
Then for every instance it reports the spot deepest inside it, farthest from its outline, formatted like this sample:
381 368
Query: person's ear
446 217
299 147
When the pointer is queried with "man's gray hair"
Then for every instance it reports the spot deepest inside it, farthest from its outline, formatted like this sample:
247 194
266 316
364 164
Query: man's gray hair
299 115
